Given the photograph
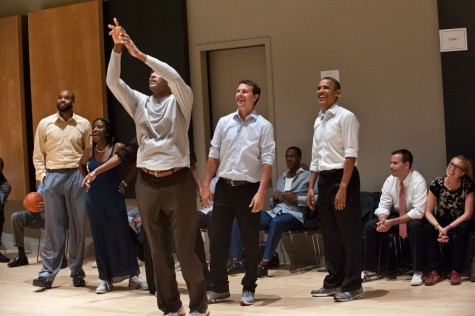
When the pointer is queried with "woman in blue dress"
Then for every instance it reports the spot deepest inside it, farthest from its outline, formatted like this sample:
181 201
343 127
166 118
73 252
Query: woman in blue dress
113 242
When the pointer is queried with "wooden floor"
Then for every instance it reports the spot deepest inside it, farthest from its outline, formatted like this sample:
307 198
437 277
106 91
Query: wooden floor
282 293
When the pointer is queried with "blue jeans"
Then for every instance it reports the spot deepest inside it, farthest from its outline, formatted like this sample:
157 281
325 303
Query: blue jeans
275 228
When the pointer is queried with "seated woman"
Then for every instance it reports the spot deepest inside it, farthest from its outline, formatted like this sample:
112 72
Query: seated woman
452 198
113 244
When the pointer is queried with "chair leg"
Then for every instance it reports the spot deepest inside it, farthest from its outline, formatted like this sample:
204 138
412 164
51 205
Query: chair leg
316 249
39 246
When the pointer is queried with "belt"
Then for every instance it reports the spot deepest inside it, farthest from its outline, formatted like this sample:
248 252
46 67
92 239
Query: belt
327 172
235 183
163 173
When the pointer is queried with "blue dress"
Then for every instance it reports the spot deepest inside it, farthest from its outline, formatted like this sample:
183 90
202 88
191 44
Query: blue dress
113 240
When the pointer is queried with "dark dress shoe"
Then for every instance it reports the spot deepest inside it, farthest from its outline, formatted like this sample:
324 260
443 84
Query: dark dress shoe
42 282
78 282
4 258
18 261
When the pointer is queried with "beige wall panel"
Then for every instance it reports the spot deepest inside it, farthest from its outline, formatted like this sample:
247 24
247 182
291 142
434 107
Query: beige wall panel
66 52
389 63
13 148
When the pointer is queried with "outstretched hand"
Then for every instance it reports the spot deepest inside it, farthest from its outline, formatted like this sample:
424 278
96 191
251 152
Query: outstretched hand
120 37
116 32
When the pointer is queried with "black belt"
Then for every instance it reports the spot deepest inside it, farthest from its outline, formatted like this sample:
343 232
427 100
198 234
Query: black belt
327 172
235 183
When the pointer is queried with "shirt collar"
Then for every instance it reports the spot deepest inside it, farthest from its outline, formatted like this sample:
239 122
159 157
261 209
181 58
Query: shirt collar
252 115
333 109
300 170
59 118
407 180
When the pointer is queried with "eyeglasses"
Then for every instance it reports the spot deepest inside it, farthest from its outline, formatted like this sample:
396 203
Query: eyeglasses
456 167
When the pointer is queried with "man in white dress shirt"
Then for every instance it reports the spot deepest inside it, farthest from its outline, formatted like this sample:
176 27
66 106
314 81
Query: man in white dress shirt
391 212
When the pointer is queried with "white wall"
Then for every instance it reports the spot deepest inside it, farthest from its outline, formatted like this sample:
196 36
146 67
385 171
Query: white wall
388 56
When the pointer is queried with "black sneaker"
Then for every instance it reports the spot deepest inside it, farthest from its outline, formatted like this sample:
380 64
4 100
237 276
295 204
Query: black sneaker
262 271
79 282
4 258
235 267
349 296
42 282
17 262
324 292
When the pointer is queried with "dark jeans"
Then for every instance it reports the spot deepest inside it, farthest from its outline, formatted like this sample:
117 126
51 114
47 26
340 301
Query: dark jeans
341 231
275 228
373 238
455 249
233 202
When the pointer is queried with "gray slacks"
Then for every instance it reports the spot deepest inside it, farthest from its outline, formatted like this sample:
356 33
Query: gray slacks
65 202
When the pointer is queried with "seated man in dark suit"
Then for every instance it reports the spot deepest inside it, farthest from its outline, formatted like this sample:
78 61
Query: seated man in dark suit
405 191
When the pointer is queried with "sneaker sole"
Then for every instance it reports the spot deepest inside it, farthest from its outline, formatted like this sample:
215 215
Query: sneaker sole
243 303
324 295
219 299
349 298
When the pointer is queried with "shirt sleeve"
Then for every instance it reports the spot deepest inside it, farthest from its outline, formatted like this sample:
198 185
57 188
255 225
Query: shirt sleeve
39 152
386 201
267 145
124 94
419 199
5 190
350 129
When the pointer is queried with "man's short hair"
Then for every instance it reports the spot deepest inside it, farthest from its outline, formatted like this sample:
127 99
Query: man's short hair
255 88
1 164
299 152
406 156
336 83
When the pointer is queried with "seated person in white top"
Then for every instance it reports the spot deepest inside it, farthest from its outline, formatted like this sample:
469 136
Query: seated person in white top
289 206
390 212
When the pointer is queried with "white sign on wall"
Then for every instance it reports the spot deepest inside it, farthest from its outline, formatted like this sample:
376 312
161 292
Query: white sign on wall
330 73
453 40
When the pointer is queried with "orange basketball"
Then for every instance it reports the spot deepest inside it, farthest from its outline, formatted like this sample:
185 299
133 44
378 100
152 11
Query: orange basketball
32 202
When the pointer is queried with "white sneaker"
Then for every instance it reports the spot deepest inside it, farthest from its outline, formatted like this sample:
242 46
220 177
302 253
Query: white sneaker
137 283
94 264
368 275
103 287
417 278
207 313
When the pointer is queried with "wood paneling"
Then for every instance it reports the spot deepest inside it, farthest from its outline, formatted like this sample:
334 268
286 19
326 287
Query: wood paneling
13 148
66 52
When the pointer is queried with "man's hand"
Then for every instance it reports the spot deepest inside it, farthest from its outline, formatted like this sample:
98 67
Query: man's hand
278 196
257 202
384 225
340 199
290 197
116 32
311 199
206 196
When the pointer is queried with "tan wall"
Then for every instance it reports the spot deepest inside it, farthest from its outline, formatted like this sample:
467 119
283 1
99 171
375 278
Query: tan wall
13 147
67 53
388 56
